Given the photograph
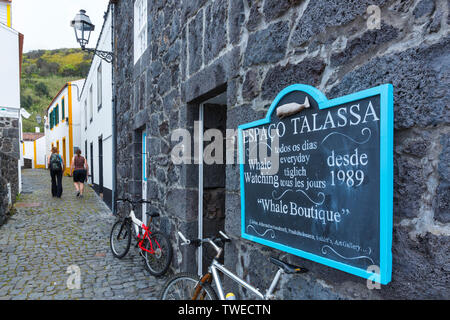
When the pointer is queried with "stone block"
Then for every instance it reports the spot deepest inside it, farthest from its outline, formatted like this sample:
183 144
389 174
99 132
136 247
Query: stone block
255 16
212 77
173 54
420 267
420 78
242 114
182 203
267 45
321 14
308 71
140 119
442 201
409 186
233 214
154 146
276 8
251 85
367 42
233 179
236 20
424 8
216 24
190 8
195 43
173 173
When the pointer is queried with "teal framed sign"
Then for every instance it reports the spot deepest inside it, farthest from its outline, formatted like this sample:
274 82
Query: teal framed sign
316 178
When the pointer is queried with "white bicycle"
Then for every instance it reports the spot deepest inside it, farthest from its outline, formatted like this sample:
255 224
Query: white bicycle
186 286
155 247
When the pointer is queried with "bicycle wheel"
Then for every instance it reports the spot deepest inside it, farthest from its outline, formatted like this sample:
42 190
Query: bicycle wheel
158 263
182 286
120 238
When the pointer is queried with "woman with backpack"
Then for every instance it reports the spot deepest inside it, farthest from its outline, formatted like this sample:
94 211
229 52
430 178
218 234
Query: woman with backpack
56 167
79 169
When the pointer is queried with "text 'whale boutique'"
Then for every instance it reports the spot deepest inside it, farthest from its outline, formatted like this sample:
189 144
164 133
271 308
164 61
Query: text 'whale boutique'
317 178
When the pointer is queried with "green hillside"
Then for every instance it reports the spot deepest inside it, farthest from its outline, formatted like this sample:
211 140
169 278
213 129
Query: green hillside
44 72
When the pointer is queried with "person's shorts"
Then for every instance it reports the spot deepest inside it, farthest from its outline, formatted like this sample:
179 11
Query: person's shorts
79 175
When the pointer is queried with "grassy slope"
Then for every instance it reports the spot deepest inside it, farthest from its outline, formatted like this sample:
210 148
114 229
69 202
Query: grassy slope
44 72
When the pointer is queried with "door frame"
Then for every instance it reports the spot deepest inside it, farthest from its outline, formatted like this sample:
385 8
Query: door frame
144 176
200 187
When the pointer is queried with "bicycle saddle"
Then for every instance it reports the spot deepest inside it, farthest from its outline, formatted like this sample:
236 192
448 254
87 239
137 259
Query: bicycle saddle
153 215
287 267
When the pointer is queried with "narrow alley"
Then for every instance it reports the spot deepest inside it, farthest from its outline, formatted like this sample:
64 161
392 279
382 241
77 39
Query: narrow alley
45 242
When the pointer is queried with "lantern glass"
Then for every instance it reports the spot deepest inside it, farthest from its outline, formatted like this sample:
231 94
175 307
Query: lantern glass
83 27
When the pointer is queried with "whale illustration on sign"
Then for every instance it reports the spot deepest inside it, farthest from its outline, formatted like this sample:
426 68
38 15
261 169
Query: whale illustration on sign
307 207
291 108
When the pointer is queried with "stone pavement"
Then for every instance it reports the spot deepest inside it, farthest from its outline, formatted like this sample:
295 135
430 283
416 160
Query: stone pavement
44 243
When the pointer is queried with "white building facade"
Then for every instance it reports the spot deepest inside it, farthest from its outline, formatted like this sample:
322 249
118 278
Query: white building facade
62 123
33 150
5 12
11 46
96 118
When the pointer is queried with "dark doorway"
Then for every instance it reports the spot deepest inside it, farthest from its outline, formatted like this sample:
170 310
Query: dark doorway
137 169
213 112
100 166
92 163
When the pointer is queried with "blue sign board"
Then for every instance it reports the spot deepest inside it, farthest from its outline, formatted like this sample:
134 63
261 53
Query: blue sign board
317 178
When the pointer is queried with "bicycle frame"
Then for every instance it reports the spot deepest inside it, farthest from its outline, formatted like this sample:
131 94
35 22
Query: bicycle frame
216 266
139 224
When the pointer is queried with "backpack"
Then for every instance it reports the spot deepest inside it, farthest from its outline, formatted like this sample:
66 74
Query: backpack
55 162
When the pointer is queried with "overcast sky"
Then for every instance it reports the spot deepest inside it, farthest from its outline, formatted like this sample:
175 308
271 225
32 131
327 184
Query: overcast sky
45 24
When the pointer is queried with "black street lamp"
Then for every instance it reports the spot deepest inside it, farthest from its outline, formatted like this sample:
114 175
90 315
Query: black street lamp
83 27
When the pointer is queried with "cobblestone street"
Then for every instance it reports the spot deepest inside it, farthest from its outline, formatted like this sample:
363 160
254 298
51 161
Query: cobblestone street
48 235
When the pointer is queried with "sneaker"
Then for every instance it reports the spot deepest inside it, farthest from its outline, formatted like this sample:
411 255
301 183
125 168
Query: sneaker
78 193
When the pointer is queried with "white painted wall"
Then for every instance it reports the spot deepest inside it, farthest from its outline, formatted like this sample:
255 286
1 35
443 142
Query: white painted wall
101 125
40 151
10 80
9 68
28 146
3 12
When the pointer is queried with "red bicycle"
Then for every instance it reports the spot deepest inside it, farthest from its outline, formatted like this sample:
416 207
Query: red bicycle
155 247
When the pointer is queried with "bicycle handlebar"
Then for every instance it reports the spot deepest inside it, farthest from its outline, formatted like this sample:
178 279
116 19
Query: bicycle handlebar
185 241
196 242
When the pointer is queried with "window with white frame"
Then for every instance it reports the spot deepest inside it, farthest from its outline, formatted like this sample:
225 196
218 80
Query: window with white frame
140 28
99 86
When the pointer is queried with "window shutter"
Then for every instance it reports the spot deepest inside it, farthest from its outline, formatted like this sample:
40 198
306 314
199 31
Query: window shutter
63 109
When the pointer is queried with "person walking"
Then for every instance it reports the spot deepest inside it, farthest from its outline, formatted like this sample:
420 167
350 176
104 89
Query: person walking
56 167
79 169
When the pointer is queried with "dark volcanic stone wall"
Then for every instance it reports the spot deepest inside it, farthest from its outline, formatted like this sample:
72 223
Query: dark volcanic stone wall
253 49
9 165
